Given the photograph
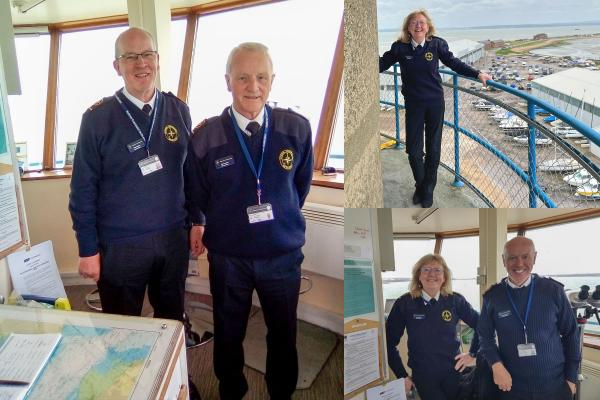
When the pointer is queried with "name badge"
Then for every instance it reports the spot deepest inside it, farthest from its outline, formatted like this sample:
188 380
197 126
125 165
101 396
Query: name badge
418 316
409 57
224 162
504 314
135 146
526 350
149 165
260 213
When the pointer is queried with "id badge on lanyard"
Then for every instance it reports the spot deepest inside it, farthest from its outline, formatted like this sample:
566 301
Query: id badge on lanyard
260 212
526 349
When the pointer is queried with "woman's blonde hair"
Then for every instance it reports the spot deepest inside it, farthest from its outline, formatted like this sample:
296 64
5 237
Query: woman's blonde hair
405 35
415 285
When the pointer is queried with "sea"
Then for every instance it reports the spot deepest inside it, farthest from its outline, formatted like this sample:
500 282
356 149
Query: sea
588 48
470 289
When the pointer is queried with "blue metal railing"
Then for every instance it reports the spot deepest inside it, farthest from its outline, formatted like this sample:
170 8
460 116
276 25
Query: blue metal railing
530 176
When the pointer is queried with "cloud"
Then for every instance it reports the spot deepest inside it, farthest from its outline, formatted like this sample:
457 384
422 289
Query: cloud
466 13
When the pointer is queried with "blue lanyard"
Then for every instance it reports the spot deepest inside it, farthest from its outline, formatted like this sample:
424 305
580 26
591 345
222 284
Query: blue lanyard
512 302
136 126
238 133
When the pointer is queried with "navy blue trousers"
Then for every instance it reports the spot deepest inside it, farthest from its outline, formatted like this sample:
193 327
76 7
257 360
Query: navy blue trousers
158 261
424 166
436 385
277 283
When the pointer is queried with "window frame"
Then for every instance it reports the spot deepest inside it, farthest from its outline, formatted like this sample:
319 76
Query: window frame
192 14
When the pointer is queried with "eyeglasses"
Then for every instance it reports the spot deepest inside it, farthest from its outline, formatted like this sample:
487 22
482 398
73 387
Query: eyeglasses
132 58
433 270
415 23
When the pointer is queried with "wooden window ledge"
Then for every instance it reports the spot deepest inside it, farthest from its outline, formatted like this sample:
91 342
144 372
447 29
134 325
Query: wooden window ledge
332 181
49 174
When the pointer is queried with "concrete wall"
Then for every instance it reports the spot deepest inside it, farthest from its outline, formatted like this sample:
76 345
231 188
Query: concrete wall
362 180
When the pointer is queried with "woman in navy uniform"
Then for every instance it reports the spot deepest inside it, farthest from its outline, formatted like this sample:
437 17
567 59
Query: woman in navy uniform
430 313
419 52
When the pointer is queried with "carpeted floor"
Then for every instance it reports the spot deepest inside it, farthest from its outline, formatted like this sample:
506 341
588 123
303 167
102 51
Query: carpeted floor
327 384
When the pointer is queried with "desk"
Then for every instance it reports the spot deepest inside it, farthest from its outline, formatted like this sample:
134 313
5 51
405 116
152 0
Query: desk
104 356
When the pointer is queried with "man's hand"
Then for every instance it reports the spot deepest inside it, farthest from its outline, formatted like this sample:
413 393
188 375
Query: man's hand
483 77
501 377
464 360
89 267
196 245
408 384
572 386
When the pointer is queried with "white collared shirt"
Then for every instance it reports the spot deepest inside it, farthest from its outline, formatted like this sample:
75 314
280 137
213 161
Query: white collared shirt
428 298
512 285
243 121
137 102
415 44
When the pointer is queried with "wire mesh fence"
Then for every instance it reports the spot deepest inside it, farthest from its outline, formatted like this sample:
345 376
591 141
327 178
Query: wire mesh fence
509 159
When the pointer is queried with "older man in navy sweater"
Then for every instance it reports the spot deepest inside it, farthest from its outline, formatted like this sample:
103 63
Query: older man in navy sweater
250 172
538 348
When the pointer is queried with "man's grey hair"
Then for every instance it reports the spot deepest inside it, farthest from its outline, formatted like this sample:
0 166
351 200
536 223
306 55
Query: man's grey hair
120 37
248 46
528 240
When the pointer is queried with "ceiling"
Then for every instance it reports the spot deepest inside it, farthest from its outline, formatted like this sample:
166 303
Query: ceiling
54 11
452 219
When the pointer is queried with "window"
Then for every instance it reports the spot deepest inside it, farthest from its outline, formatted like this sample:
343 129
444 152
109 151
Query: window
301 43
28 110
565 252
406 253
336 148
178 27
462 256
85 75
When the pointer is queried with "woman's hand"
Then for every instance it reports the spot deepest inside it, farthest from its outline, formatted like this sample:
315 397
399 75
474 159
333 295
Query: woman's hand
464 360
408 384
483 77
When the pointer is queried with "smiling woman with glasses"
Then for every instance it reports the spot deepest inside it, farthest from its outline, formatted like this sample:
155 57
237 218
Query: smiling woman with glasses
430 313
419 52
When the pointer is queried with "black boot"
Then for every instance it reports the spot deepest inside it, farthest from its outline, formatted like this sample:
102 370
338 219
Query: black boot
416 199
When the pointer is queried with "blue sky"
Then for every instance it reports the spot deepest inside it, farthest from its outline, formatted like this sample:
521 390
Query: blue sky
466 13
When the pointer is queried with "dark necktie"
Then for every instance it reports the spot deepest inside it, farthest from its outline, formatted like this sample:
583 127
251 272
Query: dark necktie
432 302
253 127
147 109
255 140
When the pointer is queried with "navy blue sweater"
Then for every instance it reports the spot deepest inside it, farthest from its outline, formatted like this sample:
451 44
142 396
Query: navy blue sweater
221 186
551 327
111 201
421 81
431 329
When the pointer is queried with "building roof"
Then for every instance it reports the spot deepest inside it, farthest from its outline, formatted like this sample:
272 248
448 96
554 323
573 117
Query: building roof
578 83
462 47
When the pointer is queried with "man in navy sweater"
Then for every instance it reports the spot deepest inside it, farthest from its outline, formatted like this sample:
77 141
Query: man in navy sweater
127 201
250 171
419 52
538 352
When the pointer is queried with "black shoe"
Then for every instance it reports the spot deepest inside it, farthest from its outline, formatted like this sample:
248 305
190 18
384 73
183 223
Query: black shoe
416 196
427 201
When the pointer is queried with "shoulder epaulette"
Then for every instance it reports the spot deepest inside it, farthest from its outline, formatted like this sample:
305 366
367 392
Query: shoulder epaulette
203 123
289 111
553 280
170 94
96 104
493 287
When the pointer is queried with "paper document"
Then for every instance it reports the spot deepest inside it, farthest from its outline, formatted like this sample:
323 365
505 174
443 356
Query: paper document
361 359
35 272
22 358
393 390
